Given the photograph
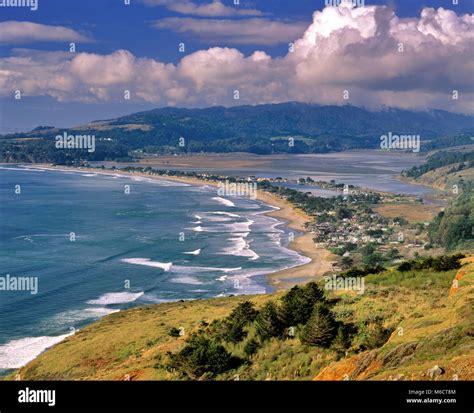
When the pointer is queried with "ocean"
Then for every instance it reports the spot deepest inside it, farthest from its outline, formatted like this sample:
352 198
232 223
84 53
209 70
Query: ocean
96 244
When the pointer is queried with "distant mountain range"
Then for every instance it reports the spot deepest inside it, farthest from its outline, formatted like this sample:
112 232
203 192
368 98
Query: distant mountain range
261 129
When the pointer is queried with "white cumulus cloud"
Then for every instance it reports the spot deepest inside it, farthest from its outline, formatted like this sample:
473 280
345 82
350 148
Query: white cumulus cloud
379 58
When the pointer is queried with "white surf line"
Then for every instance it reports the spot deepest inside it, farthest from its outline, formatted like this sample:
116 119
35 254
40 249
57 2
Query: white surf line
196 252
166 266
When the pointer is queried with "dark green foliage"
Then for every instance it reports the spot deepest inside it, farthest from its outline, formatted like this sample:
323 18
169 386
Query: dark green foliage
362 272
202 356
347 262
377 233
405 266
392 254
231 331
350 246
438 264
373 335
254 129
439 159
320 329
44 150
455 226
298 303
342 340
244 313
373 260
251 347
174 332
368 249
232 328
343 212
268 323
400 220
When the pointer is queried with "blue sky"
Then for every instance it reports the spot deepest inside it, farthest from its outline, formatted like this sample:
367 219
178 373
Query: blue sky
150 30
116 26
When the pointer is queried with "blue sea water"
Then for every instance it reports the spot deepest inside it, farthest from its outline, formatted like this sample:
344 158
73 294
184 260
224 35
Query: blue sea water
96 249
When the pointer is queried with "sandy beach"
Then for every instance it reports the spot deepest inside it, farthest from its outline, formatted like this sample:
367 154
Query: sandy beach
321 260
320 257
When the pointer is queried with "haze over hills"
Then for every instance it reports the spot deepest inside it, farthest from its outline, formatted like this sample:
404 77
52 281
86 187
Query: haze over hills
261 129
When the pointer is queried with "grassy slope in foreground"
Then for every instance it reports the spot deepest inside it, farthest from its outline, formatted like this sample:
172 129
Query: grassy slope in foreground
437 323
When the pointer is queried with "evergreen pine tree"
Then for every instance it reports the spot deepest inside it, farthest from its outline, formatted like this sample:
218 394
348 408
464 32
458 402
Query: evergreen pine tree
268 323
341 341
298 304
320 328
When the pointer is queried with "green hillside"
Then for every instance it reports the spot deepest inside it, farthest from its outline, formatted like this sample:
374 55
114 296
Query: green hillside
404 324
454 227
261 129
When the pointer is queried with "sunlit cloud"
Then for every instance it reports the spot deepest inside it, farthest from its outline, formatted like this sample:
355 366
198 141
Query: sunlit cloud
368 54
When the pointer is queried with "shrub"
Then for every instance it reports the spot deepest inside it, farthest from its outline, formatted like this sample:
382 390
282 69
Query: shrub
373 259
392 254
362 272
298 304
373 335
445 263
341 341
244 313
347 262
320 328
405 266
438 264
174 332
343 311
202 356
343 212
232 331
400 220
268 322
251 347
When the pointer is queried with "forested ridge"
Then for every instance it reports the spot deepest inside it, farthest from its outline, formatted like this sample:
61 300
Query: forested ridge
263 129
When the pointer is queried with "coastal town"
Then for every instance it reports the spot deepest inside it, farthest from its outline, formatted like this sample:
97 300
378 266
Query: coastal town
347 223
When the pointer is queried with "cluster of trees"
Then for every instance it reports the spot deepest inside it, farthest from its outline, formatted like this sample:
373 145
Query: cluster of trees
44 151
312 204
263 122
438 264
463 138
454 227
442 158
302 313
242 129
372 257
362 271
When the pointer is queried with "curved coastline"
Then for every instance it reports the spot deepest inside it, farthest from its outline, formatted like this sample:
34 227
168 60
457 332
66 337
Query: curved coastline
317 265
320 258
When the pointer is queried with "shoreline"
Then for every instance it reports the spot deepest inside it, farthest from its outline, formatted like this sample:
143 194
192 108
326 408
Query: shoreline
436 196
295 219
320 258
